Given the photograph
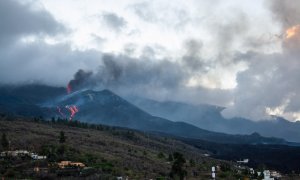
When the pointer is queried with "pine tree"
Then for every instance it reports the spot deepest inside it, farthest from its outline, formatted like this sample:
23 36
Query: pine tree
62 138
4 142
177 167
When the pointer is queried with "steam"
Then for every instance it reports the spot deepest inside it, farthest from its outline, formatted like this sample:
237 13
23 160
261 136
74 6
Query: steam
270 84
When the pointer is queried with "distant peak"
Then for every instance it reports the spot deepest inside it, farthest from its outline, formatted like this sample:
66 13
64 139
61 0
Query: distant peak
256 134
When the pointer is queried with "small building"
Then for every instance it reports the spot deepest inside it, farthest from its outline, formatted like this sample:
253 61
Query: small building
267 175
245 161
64 164
40 169
251 171
35 156
275 174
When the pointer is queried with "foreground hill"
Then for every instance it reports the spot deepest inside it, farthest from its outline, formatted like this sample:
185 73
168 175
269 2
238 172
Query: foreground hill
108 150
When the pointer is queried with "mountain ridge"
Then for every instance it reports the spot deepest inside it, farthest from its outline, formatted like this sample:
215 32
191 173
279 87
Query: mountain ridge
209 117
106 107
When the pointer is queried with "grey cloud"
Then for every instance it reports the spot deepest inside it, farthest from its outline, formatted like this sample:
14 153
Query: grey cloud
271 80
151 78
36 61
17 20
126 71
285 11
50 64
229 32
192 59
114 21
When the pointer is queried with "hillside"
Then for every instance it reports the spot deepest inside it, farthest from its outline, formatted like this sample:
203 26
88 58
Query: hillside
106 107
110 151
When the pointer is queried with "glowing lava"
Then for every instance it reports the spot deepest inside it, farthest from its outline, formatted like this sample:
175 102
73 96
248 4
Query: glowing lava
69 88
73 110
292 31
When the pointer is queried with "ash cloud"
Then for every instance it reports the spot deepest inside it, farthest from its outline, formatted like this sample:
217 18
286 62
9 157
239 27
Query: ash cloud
270 84
80 79
286 11
17 20
155 79
37 61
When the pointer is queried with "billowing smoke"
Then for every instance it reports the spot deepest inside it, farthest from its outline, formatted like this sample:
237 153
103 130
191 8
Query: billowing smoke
286 12
80 80
270 85
124 74
157 79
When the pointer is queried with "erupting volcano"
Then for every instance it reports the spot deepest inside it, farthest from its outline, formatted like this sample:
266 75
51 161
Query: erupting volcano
73 109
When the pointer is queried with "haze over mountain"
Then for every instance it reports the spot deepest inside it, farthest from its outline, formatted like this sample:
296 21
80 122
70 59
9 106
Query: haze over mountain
210 117
239 55
105 107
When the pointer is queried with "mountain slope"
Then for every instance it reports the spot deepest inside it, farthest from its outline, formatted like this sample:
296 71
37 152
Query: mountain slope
105 107
209 117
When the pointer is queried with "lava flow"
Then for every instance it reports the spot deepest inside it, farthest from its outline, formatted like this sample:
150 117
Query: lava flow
73 110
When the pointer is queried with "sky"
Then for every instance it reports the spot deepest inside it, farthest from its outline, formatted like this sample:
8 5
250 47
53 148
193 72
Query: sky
243 55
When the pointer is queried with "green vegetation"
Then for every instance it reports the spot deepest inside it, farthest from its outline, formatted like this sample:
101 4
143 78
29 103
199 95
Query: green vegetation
62 138
161 155
107 152
178 170
4 142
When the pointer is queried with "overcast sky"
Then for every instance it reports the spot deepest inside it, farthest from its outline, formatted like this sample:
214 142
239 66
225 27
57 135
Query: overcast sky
232 53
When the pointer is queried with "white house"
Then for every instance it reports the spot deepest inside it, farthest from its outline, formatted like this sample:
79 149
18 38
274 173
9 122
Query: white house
245 161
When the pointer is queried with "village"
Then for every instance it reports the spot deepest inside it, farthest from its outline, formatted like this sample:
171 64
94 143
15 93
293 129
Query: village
41 167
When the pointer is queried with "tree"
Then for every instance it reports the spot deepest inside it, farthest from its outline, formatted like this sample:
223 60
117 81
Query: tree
177 167
192 163
4 141
62 137
160 155
170 158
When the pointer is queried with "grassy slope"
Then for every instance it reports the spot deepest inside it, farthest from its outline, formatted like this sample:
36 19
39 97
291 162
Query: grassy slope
127 154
